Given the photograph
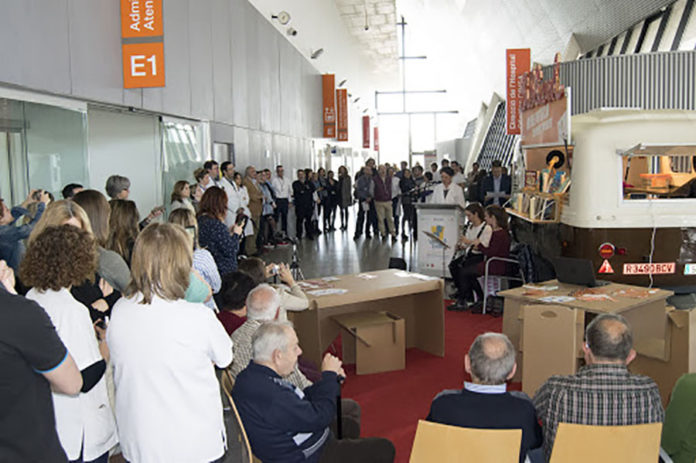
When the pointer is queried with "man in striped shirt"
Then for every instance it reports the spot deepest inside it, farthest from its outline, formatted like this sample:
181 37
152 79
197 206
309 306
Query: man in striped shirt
603 393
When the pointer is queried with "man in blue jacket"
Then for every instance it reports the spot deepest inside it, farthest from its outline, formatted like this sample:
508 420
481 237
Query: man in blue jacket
286 424
496 187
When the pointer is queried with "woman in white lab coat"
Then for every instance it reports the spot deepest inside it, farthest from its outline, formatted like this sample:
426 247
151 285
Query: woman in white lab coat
447 192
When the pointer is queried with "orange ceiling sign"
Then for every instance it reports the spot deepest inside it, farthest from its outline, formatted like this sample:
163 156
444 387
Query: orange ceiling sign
141 18
142 43
342 114
328 87
143 65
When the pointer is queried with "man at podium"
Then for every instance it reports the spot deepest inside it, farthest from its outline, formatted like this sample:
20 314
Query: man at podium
447 192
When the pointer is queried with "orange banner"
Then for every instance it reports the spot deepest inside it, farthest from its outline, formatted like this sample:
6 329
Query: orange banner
517 62
342 114
366 132
141 18
376 139
328 86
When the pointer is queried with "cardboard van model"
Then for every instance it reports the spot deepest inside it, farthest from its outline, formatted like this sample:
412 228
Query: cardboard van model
631 208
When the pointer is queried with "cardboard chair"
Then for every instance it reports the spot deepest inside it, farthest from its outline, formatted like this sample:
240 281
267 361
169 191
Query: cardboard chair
449 444
578 443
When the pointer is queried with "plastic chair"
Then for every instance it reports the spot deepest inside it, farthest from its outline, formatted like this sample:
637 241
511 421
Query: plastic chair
500 278
576 443
227 383
449 444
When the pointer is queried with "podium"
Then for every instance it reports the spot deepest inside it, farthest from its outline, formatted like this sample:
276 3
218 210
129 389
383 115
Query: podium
445 221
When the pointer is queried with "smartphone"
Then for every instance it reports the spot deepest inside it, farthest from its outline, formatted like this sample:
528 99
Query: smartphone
242 221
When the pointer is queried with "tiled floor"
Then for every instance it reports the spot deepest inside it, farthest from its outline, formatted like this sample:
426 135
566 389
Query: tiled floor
336 253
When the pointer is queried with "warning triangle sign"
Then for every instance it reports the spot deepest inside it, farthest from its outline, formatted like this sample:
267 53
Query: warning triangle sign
606 267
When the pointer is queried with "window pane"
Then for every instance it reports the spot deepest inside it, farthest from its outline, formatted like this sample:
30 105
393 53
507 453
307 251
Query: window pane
56 147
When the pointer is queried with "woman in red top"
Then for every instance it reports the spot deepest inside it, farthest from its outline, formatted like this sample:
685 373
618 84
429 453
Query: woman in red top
499 246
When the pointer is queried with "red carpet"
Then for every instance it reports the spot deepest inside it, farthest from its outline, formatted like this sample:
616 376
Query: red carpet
392 403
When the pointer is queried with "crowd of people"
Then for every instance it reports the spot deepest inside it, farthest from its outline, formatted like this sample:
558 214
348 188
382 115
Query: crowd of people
112 327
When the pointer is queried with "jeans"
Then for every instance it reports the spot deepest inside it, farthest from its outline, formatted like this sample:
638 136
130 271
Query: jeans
281 213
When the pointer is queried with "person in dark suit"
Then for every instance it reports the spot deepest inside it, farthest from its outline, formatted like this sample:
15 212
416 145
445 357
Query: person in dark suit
497 186
485 403
304 204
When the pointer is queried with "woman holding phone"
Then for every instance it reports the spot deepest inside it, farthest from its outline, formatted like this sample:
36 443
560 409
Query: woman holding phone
213 234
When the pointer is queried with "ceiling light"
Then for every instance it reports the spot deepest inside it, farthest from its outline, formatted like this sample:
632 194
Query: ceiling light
292 32
365 111
356 100
342 83
317 53
283 17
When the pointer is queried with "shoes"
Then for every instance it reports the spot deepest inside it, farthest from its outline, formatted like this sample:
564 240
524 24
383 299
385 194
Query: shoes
459 306
368 236
310 237
394 239
477 307
404 238
282 243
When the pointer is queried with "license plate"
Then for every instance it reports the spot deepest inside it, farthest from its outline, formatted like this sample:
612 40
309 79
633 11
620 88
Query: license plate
664 268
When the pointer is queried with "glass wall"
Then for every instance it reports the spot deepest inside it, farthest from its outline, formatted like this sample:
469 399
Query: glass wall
183 153
41 147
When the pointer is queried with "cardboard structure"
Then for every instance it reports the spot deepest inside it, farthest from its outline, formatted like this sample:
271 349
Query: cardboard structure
419 302
682 353
374 341
553 333
435 442
444 221
638 443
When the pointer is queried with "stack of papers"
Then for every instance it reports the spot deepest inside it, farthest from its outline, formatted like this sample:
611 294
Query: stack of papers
327 292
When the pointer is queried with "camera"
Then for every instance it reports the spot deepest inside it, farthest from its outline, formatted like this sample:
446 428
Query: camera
275 269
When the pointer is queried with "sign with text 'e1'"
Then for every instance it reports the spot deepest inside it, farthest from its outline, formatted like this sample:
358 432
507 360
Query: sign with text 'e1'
664 268
142 43
366 132
517 62
328 90
143 65
342 114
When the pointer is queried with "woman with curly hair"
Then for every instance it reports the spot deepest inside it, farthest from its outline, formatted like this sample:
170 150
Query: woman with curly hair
111 267
213 234
59 258
164 351
123 227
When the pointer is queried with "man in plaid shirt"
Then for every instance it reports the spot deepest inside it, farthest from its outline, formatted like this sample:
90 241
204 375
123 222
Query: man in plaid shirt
603 393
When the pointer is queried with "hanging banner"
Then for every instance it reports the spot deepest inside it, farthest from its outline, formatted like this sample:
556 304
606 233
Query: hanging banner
142 43
375 137
366 132
328 86
342 114
517 62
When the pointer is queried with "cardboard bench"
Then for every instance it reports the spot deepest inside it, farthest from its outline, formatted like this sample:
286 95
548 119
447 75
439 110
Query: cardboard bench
374 341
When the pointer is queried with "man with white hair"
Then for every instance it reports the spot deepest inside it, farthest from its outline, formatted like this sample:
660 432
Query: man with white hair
485 403
285 423
263 305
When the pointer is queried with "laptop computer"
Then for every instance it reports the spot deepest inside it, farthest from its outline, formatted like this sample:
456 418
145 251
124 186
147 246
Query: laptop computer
576 272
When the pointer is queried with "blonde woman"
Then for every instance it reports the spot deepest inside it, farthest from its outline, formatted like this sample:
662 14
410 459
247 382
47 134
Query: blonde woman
164 351
59 258
111 266
203 261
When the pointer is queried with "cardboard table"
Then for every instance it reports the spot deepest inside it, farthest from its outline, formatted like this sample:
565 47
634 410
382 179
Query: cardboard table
419 302
553 334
